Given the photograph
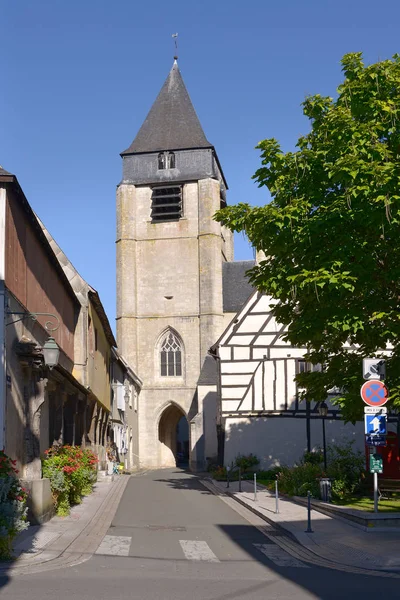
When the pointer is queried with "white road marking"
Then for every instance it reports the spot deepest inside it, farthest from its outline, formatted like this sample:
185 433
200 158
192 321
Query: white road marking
197 550
115 545
279 556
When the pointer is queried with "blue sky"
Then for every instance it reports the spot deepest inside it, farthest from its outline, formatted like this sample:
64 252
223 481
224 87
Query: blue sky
79 76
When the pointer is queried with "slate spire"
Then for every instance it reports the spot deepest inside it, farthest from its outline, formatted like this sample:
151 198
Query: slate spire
172 123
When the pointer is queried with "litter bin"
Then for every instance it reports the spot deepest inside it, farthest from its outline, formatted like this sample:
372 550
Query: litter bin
325 489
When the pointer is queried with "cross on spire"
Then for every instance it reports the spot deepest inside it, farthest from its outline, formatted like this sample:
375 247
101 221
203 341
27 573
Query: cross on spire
175 36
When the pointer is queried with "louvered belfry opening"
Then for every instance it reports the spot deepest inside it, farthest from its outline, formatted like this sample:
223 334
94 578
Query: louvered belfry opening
166 203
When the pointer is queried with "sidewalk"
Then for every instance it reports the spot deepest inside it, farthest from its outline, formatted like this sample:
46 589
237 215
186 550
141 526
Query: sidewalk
333 539
67 541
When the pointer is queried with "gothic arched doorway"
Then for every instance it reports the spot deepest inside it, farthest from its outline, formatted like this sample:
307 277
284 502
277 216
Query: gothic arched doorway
173 435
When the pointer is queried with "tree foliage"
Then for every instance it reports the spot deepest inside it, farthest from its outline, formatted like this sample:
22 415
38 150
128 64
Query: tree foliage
331 233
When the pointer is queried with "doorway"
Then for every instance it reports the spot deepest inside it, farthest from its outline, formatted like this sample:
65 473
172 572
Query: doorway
173 435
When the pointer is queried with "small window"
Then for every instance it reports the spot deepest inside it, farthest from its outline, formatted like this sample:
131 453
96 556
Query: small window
166 204
95 339
171 160
171 356
161 160
166 160
306 367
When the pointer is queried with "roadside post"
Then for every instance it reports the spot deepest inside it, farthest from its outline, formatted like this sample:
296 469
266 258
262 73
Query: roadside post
276 496
227 476
255 487
240 479
375 394
309 529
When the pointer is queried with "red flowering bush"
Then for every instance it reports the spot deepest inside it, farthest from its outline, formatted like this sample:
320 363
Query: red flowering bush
72 471
13 509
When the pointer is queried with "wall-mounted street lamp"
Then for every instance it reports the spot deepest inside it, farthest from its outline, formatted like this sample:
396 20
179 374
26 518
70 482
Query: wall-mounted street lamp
323 411
51 350
51 353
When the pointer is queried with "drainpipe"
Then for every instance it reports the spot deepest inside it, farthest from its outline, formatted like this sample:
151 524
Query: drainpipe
2 316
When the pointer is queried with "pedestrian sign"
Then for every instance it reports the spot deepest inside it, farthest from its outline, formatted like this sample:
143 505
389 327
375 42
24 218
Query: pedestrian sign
374 393
375 463
375 424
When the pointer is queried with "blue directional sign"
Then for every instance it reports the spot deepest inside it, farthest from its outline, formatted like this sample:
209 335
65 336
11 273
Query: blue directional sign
375 424
375 440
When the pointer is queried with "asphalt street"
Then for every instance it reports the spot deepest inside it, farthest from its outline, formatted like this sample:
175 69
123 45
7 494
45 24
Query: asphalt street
172 539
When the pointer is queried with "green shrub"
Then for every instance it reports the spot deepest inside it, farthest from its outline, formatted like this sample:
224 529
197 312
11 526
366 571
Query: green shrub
13 511
315 457
298 480
246 462
72 473
347 469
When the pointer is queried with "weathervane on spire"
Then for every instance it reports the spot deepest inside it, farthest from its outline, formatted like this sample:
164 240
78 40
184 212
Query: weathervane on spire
175 36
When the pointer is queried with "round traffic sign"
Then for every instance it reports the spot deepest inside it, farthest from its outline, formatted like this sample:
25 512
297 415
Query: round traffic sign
374 393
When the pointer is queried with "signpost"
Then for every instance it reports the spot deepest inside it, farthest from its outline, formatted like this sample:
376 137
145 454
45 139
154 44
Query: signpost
375 394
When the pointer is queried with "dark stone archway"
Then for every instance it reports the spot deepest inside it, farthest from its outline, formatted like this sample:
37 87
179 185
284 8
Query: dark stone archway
168 436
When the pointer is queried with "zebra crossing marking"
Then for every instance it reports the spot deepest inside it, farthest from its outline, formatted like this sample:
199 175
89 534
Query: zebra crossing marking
115 545
279 556
197 550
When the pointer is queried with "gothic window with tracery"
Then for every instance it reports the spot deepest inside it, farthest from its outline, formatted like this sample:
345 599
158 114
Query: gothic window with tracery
171 356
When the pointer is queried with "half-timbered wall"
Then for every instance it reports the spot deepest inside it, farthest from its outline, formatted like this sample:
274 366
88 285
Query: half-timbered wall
260 409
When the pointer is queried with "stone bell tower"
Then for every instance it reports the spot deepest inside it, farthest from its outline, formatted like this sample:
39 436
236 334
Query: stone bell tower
169 271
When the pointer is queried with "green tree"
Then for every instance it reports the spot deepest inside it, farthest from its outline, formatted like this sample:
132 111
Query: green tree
331 233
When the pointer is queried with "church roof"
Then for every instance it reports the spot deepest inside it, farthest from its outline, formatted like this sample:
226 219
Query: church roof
236 286
3 171
172 123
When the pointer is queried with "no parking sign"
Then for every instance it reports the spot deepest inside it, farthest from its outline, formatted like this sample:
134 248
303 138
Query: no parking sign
374 393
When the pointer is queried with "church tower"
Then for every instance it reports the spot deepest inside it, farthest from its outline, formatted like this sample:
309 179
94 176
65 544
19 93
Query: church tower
169 272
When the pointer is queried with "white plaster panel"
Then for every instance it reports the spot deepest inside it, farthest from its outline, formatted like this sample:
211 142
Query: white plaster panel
247 404
225 353
241 340
291 372
269 379
239 367
258 391
280 384
252 323
235 379
285 352
236 392
263 304
264 340
230 405
241 352
282 441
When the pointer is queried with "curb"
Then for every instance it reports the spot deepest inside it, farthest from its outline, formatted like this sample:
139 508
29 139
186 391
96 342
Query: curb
293 546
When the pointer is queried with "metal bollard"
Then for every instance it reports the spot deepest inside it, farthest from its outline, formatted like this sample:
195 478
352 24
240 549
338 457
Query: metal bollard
276 497
227 476
240 479
309 530
255 487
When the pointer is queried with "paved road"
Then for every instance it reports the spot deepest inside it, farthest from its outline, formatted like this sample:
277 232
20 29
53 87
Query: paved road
171 539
